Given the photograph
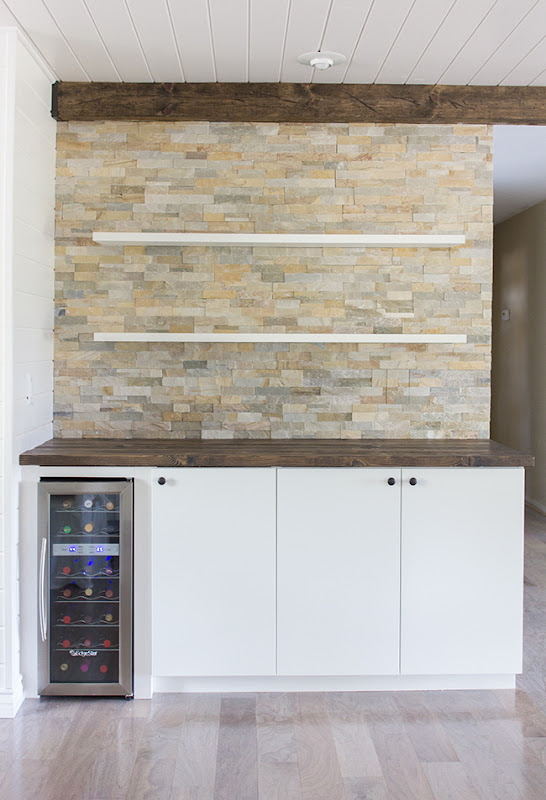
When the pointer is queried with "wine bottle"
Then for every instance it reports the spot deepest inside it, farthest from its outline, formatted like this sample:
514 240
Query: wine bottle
64 667
67 529
88 592
110 506
67 504
103 668
67 592
107 643
109 593
88 503
88 528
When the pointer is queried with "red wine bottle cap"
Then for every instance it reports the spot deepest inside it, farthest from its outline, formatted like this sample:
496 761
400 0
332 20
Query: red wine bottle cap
107 643
67 570
87 643
66 619
84 667
67 592
66 643
103 668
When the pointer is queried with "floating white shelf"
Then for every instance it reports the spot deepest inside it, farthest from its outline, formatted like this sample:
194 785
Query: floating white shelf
280 239
306 338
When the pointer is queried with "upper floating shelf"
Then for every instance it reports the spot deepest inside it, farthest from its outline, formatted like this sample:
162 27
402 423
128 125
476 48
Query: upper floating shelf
280 239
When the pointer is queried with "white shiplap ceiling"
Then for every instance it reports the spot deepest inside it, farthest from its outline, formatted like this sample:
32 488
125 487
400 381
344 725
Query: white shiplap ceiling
492 42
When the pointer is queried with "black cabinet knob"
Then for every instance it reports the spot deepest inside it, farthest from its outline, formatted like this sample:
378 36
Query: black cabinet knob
162 481
391 481
413 481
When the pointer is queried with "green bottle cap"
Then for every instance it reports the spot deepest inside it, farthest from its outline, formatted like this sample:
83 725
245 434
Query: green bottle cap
67 529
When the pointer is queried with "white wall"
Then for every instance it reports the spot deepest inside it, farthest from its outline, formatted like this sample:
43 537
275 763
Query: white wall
27 181
518 391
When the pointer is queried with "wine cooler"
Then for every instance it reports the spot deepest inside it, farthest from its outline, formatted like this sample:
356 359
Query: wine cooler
85 592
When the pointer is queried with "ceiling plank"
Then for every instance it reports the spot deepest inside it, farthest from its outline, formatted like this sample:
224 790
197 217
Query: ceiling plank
517 45
381 31
296 102
419 29
81 34
306 23
156 34
456 29
118 34
345 24
229 20
530 70
194 38
40 27
267 28
540 79
503 18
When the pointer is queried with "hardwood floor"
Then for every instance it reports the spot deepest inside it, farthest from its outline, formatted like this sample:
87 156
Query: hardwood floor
464 745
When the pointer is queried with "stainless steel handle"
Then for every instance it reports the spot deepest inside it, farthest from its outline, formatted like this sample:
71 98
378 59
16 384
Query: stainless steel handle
42 606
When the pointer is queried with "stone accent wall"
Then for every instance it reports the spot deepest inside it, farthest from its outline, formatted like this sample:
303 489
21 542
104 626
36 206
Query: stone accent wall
218 177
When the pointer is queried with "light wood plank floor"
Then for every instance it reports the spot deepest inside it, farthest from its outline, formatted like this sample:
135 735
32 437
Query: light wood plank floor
486 745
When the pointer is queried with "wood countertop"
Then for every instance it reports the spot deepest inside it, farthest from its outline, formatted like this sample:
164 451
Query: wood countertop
274 453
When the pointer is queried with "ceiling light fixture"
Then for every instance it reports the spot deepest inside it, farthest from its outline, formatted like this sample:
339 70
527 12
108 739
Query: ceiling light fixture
321 60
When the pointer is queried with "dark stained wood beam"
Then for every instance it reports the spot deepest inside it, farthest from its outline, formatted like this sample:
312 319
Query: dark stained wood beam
299 102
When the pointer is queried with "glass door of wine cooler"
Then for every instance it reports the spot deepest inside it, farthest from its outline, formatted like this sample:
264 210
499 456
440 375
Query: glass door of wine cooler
85 592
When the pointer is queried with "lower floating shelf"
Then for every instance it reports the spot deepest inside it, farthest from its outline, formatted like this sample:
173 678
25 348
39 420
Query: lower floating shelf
292 338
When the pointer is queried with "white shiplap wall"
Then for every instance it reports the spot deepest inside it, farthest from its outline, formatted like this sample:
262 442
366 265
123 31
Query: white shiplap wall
27 181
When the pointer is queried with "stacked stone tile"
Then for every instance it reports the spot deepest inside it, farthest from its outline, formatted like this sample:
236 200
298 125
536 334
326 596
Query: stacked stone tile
218 177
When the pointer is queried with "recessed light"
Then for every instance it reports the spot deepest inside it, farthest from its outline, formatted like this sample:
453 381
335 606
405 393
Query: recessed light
321 59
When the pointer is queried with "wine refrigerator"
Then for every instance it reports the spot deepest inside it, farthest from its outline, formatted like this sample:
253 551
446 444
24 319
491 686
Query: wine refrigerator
85 591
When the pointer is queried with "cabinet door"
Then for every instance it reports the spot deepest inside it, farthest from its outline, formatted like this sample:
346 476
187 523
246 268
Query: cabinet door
214 572
462 571
338 571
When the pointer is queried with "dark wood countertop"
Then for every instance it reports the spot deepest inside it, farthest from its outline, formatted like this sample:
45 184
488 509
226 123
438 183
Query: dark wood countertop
274 453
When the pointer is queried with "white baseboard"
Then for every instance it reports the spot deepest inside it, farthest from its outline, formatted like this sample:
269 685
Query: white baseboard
371 683
535 505
11 701
142 686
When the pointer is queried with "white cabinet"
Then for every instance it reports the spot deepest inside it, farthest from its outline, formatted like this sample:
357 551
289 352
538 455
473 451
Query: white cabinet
462 571
214 572
338 571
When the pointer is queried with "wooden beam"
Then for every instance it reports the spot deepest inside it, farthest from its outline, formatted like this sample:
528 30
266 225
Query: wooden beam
299 102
